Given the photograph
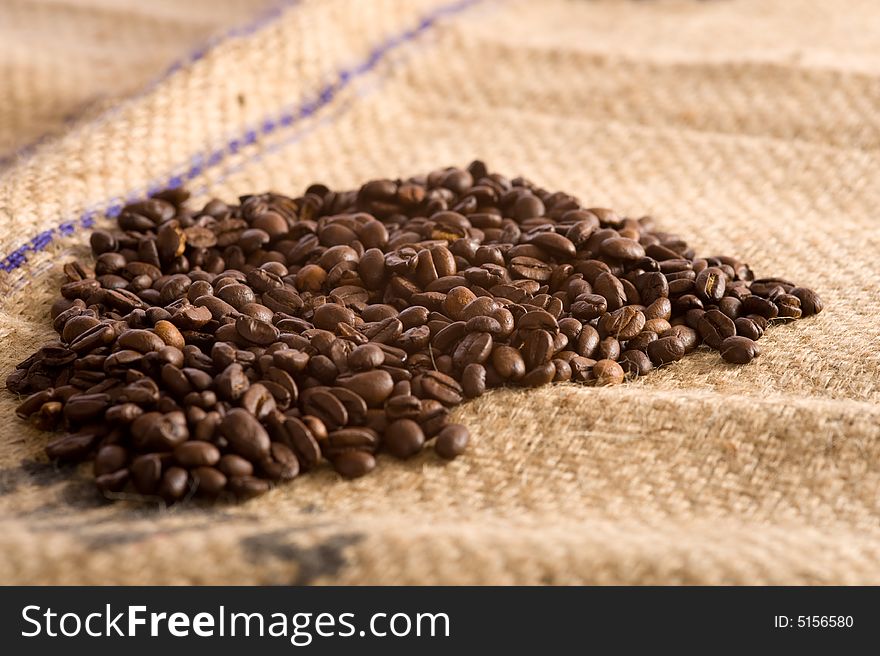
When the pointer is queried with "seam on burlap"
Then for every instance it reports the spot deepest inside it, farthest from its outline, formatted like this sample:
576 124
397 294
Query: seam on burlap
265 17
199 162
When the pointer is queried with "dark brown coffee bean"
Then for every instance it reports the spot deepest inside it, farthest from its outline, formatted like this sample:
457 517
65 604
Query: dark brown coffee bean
543 374
110 458
146 472
281 465
442 388
196 454
303 441
474 348
404 438
452 441
246 436
609 349
621 248
233 466
789 306
739 350
715 327
327 408
372 386
247 487
666 350
761 306
636 363
354 464
232 382
640 342
749 328
256 331
174 484
473 380
611 289
155 431
810 302
710 284
623 324
208 481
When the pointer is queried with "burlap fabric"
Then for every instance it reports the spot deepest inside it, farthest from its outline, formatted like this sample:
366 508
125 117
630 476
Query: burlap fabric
748 127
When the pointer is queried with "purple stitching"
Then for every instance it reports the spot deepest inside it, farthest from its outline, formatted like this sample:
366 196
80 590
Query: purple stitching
264 18
17 258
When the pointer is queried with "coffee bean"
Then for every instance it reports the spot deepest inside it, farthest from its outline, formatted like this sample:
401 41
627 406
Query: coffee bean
636 363
195 453
666 350
208 481
218 348
473 380
256 331
372 386
739 350
542 374
233 466
621 248
246 436
174 484
354 464
404 438
326 407
622 324
441 387
810 302
452 441
710 284
607 372
747 327
146 472
715 326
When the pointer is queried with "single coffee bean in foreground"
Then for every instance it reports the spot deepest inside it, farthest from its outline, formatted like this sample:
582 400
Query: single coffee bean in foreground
217 350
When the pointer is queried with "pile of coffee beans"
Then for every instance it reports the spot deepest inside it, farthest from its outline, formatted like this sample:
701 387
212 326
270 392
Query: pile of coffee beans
214 351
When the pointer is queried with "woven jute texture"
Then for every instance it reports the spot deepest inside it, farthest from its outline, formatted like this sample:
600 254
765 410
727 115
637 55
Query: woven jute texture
748 127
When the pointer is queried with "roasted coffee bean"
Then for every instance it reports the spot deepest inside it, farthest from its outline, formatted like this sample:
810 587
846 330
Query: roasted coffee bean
246 436
540 375
789 306
110 458
208 481
195 453
747 327
233 466
146 472
326 407
174 484
452 441
372 386
715 326
761 306
354 464
666 350
473 380
442 388
622 324
217 348
710 285
810 301
404 438
739 350
636 363
607 372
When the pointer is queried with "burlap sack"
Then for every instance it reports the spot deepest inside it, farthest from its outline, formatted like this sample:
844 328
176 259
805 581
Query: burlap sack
748 127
